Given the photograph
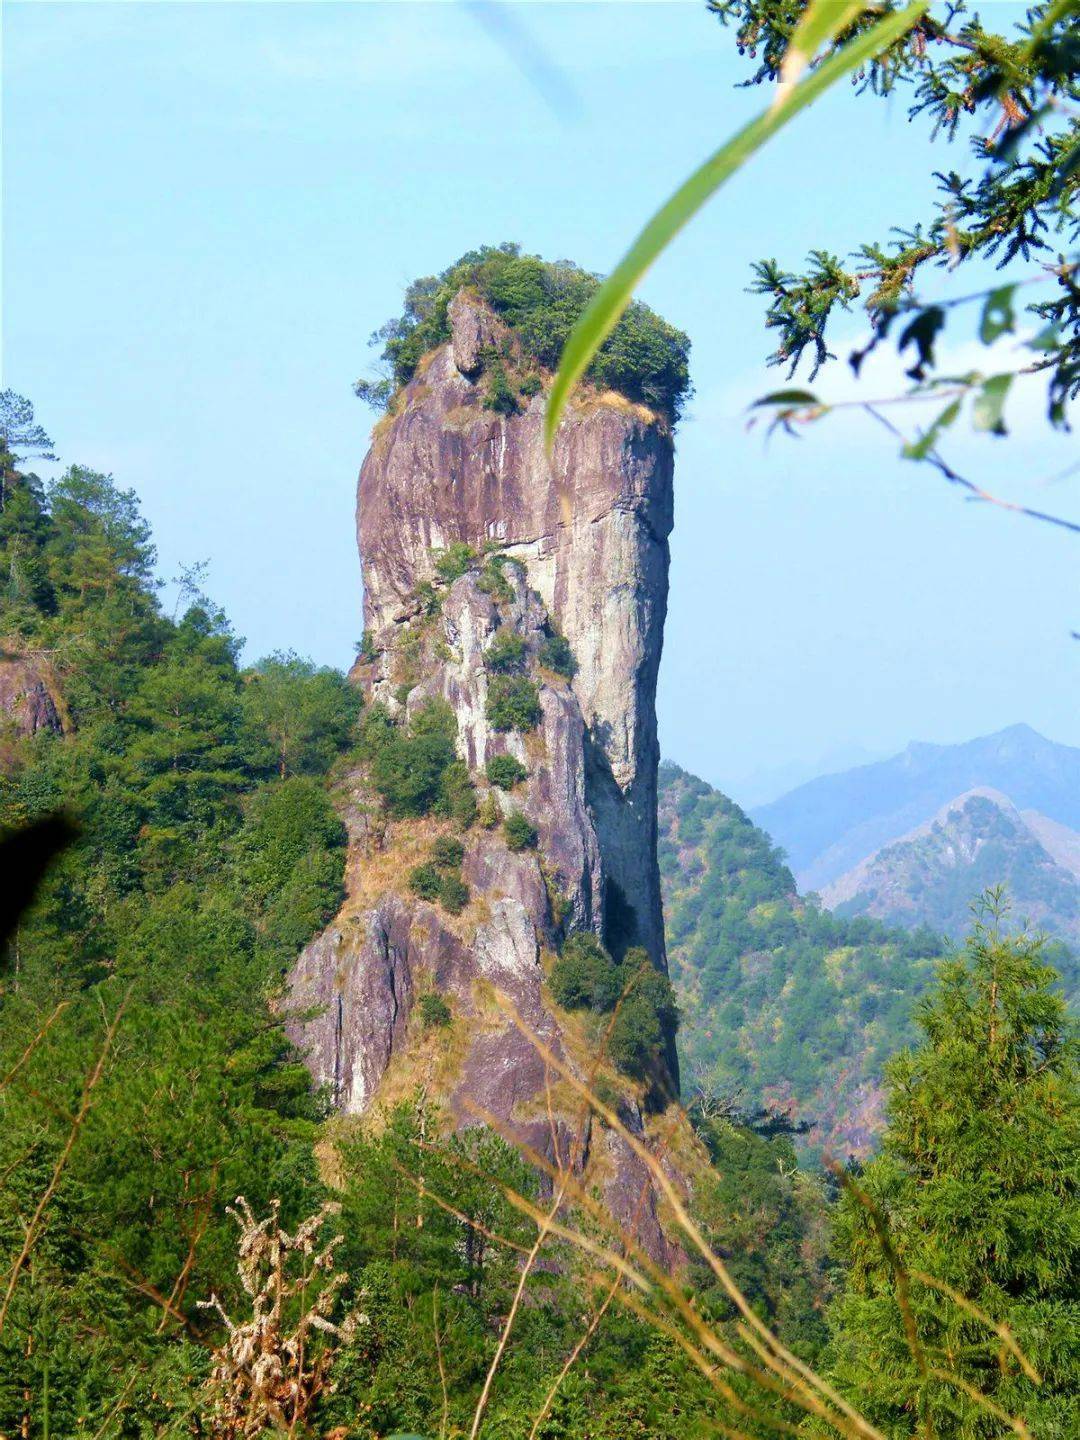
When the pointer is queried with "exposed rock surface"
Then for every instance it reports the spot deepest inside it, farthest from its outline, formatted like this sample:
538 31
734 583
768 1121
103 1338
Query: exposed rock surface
27 704
584 542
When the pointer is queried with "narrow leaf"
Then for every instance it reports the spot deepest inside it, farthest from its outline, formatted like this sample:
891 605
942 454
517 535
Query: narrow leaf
920 448
986 412
997 315
787 397
822 21
609 302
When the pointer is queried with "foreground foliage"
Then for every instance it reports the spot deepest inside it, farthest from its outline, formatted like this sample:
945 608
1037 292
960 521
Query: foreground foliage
977 1189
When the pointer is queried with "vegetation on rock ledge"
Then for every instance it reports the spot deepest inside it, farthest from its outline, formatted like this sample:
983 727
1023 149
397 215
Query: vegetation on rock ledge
644 358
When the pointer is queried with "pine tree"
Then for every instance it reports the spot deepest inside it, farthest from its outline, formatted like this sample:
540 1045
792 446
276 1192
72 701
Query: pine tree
975 1189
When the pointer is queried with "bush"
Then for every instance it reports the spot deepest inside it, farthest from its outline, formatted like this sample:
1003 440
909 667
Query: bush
457 798
456 560
555 654
513 703
505 772
425 881
636 1037
531 385
488 813
493 579
585 977
520 832
447 853
434 1011
499 395
506 652
409 768
453 893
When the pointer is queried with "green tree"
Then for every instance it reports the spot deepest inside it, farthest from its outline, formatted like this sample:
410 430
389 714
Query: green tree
306 711
976 1189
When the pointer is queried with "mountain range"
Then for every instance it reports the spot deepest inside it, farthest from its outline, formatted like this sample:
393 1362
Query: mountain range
915 839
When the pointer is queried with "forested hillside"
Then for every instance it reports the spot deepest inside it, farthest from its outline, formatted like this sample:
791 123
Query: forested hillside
782 1003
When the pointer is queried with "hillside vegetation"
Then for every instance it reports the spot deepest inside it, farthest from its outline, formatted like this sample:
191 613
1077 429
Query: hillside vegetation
782 1003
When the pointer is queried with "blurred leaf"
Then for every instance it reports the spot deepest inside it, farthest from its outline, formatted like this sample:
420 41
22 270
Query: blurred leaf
922 332
920 448
787 397
998 315
986 413
822 21
1048 339
614 295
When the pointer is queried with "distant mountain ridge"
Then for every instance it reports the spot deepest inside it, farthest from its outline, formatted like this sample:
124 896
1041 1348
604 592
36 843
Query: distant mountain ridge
931 875
829 825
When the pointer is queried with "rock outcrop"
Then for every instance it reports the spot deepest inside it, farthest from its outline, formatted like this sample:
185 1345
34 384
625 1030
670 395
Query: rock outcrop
575 547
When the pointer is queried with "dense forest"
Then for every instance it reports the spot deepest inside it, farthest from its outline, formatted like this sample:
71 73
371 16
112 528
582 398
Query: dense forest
782 1002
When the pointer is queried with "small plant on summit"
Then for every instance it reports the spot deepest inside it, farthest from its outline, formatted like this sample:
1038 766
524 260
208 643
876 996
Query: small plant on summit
453 562
506 652
513 703
555 654
519 831
505 771
434 1011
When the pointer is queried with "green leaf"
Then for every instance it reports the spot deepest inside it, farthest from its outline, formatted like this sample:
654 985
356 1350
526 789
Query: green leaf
920 448
822 21
989 403
787 397
1048 339
998 315
922 332
609 302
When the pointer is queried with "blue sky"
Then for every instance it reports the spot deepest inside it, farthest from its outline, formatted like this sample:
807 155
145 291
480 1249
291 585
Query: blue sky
209 207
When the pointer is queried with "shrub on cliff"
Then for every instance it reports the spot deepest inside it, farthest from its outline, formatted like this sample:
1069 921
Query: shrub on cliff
506 652
505 772
456 560
555 654
513 703
409 767
585 977
643 358
520 832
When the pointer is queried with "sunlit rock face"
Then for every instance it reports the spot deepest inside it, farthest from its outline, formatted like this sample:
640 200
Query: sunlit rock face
588 532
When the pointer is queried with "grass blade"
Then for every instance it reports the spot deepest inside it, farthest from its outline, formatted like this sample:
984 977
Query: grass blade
609 302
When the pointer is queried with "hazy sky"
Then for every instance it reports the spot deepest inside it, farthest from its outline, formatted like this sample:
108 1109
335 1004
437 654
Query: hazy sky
209 207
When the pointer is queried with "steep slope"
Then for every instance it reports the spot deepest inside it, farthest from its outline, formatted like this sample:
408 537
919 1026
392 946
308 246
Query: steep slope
781 1001
830 824
487 573
975 841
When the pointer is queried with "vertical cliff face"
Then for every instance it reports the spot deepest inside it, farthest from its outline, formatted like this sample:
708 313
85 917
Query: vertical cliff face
582 551
591 527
